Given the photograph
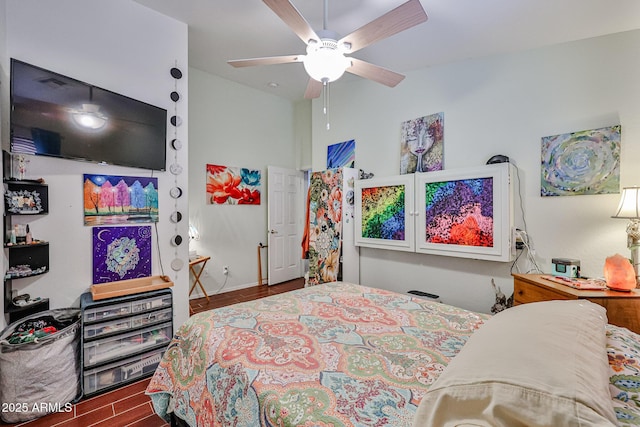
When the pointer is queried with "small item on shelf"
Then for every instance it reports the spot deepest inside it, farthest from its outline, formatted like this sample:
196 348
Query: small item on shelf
619 273
25 300
28 238
12 237
23 270
578 282
565 267
22 166
21 299
21 233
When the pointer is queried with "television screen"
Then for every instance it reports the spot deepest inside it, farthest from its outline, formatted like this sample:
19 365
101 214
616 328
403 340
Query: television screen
57 116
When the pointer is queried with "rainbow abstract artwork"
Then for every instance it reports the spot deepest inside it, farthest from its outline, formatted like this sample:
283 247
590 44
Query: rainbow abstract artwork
460 212
383 215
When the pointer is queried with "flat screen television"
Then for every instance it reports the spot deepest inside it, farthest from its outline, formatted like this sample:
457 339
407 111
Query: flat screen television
54 115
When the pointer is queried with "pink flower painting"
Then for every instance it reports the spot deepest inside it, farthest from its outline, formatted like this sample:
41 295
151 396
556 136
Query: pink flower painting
232 186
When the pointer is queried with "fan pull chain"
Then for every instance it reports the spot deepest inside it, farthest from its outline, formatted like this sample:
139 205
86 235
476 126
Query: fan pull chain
325 102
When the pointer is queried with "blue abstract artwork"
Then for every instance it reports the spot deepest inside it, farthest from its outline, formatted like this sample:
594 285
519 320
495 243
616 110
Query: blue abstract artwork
341 155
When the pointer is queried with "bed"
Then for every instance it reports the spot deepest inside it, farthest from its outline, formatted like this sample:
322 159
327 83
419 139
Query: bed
340 354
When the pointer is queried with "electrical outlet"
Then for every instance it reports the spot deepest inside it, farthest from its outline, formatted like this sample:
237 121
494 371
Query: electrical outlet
225 270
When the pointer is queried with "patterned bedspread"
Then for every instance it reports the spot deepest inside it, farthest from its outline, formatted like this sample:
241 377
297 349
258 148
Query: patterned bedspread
335 354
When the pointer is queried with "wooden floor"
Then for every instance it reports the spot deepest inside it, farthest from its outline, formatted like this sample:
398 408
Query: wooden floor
129 406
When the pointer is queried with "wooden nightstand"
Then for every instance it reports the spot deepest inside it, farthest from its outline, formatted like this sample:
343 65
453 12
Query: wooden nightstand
623 308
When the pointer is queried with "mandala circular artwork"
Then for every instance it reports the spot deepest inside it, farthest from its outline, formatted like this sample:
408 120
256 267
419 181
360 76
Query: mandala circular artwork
585 162
123 255
144 232
324 241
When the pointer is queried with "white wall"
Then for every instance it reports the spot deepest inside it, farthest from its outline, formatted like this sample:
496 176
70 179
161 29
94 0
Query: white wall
4 82
4 72
126 48
233 125
302 114
499 105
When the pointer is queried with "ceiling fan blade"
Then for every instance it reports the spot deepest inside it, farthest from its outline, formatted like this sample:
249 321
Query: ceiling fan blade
290 15
314 89
399 19
269 60
373 72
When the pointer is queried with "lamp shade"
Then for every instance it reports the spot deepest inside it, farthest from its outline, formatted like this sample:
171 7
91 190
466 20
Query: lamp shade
325 61
326 65
629 206
193 232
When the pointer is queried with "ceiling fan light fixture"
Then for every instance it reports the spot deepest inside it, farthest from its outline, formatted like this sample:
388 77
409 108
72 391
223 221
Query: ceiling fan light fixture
324 62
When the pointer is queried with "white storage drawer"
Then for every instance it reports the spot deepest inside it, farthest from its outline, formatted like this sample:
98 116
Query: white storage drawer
125 344
122 371
96 330
151 303
126 308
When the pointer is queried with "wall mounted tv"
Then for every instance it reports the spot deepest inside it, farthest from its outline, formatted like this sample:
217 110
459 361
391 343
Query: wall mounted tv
54 115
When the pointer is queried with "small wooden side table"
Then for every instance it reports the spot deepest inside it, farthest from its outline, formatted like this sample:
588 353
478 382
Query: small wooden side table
202 260
623 308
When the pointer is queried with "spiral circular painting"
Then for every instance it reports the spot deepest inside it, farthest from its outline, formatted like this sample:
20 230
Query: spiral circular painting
586 162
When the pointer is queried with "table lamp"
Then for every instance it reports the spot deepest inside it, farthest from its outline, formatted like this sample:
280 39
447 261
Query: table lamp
629 208
194 234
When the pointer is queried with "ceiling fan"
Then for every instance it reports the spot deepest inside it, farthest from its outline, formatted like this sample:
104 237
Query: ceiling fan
325 60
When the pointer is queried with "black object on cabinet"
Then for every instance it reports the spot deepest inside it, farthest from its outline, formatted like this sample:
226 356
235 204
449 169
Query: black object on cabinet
123 338
27 257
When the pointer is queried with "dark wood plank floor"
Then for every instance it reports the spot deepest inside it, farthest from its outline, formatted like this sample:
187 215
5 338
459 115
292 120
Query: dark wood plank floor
242 295
129 406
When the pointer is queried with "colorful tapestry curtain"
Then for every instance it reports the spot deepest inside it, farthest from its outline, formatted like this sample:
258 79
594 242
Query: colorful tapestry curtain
325 226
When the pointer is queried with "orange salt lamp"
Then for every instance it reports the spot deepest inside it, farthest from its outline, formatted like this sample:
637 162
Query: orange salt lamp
619 273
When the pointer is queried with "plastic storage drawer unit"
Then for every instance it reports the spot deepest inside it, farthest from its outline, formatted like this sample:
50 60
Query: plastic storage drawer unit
108 376
123 338
98 330
119 346
126 308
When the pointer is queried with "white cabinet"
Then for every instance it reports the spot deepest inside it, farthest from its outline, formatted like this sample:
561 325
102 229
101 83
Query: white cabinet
464 213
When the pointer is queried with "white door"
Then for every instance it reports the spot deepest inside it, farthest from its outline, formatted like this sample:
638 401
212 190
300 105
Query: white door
285 223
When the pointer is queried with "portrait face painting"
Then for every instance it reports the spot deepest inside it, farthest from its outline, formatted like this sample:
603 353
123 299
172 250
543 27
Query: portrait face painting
421 146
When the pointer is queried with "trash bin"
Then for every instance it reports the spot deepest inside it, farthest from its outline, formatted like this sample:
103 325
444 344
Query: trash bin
40 366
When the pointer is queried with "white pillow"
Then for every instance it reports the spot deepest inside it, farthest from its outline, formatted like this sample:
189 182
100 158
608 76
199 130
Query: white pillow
539 364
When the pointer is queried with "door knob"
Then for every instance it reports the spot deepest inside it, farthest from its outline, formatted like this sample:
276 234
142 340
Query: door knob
273 232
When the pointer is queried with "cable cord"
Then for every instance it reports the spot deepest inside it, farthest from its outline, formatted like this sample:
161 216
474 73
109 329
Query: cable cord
155 226
223 285
524 237
526 241
524 220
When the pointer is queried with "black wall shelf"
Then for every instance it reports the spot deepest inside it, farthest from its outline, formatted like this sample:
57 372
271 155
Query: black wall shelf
24 199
